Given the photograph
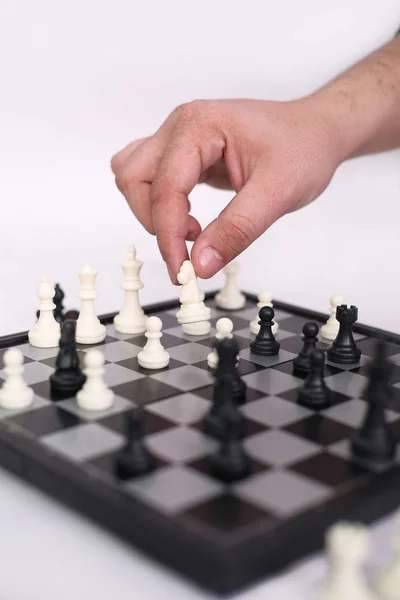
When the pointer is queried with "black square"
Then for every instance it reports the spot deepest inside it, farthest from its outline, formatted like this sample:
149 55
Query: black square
211 341
295 324
145 390
244 367
329 469
133 365
108 339
227 514
336 397
250 427
152 423
203 465
106 463
47 419
368 347
167 340
251 394
320 429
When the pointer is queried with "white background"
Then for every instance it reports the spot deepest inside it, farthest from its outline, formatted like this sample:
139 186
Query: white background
78 80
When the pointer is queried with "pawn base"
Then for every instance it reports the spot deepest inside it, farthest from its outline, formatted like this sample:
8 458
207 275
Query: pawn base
231 468
315 400
228 303
149 361
101 400
375 456
66 385
126 468
16 399
48 340
128 326
193 313
200 328
271 348
90 337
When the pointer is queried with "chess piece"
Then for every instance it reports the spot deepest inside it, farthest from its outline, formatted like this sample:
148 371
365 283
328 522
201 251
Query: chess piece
46 331
344 350
68 378
95 395
89 330
264 299
58 301
214 421
131 318
315 393
388 584
265 343
330 330
135 458
153 355
15 394
230 297
224 327
194 315
373 445
302 362
347 547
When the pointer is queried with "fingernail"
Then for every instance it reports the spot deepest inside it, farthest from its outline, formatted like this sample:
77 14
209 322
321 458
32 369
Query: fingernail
210 261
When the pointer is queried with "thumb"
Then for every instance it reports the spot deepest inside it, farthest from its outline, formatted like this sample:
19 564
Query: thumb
251 212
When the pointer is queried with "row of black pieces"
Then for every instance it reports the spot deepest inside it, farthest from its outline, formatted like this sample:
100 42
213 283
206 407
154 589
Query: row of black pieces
59 312
343 350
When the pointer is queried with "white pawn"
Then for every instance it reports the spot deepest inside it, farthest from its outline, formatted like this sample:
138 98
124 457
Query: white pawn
264 299
89 330
46 331
347 546
224 329
131 318
388 585
153 355
230 297
194 315
95 395
330 330
14 394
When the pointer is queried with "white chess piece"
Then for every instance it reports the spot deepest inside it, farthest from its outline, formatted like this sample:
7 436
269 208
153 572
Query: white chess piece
15 394
194 315
89 330
330 330
230 297
153 355
264 299
347 546
224 327
46 331
131 318
95 395
388 585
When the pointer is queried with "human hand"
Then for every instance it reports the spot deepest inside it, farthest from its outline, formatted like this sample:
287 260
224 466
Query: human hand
276 156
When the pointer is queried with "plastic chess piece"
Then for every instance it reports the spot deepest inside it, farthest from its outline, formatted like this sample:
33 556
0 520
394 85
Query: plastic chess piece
71 315
131 318
388 584
315 393
214 421
135 458
46 331
302 362
265 343
344 350
194 315
264 299
153 355
58 301
347 547
15 394
373 445
89 330
94 395
330 329
230 297
68 378
224 327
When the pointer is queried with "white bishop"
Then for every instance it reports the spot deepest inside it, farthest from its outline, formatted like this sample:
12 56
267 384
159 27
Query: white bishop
131 318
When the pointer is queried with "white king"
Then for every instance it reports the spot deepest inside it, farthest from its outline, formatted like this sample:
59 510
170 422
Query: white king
131 318
89 330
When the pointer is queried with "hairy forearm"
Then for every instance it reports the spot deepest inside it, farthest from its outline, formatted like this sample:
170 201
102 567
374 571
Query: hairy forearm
363 103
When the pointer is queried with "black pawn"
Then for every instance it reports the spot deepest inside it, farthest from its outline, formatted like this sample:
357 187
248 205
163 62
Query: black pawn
134 459
265 343
373 445
231 462
223 402
344 349
228 367
72 315
58 301
315 393
302 362
67 378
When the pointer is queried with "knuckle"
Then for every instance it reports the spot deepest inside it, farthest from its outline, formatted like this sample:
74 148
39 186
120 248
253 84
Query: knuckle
194 111
125 179
237 235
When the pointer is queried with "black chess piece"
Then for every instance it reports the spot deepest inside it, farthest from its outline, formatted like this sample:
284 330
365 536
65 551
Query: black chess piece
373 445
67 378
315 393
135 458
230 462
344 349
265 343
302 362
72 315
214 421
58 301
228 367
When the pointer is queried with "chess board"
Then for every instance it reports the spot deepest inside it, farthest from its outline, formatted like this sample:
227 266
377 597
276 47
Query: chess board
222 536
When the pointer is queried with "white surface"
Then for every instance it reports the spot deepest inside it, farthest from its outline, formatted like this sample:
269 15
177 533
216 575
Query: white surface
79 82
94 395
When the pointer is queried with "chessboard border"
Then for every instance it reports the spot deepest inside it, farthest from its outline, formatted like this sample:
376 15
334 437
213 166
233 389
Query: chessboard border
217 566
